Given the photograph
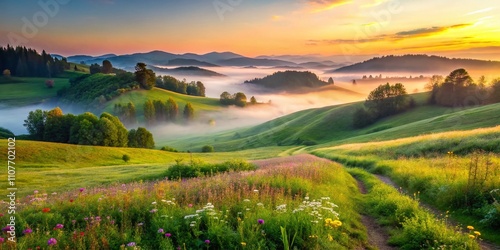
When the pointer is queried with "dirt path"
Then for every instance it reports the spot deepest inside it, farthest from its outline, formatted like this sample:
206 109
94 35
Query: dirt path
484 245
377 235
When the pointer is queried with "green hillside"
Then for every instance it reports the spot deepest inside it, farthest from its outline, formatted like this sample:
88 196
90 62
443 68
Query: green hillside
333 126
23 91
57 167
139 97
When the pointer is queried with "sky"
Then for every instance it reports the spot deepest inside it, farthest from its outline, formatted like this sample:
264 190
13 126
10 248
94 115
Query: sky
468 28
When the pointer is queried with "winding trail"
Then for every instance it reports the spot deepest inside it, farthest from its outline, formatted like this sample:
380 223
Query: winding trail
377 235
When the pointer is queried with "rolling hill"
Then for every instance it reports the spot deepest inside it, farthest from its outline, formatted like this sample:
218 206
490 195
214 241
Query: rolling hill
418 64
333 126
289 81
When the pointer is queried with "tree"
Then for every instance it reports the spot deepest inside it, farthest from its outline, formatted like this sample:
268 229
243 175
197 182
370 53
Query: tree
35 124
149 113
201 88
330 81
387 100
109 132
225 98
131 114
362 118
94 68
454 90
160 111
188 112
107 68
121 131
207 149
240 99
145 77
253 101
75 68
55 130
172 109
132 139
353 82
144 138
126 158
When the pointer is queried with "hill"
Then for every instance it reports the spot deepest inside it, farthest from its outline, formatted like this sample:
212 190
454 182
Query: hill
139 97
288 81
186 71
51 167
189 62
24 91
333 126
418 64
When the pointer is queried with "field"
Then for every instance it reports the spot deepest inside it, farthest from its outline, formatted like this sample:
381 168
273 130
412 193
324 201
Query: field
29 90
454 171
297 202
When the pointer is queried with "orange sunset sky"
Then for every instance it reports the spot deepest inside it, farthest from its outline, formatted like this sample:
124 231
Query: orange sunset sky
255 27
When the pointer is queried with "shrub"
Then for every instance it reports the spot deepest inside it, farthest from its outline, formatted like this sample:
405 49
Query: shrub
169 149
207 149
126 158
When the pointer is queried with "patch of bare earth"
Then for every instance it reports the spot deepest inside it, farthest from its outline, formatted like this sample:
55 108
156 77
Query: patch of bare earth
377 235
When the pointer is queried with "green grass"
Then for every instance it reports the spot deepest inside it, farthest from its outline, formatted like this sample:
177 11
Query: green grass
29 90
54 167
332 125
461 182
139 97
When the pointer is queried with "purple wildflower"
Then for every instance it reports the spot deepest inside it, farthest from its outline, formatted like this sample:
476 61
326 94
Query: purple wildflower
51 242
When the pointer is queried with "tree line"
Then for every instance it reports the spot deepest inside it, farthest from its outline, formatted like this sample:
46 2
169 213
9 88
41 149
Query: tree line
459 89
158 111
171 83
239 99
85 129
27 62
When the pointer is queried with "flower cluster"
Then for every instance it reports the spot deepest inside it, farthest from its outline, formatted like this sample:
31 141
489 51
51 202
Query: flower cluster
332 223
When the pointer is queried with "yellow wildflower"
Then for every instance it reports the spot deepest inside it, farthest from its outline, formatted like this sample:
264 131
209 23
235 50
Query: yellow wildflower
244 244
472 236
330 238
477 233
470 227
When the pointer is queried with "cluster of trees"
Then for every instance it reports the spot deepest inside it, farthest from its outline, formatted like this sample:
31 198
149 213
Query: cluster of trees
239 99
459 89
85 129
171 83
106 68
26 62
385 100
96 89
126 113
157 111
145 77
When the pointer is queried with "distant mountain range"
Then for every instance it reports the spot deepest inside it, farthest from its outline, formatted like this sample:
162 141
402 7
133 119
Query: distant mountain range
417 64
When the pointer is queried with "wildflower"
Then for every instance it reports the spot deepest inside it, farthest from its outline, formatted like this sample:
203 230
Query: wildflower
244 244
161 230
35 192
168 235
153 210
330 238
140 224
27 231
51 242
256 191
82 189
71 200
472 236
7 229
207 242
190 205
470 227
477 233
260 221
59 226
46 210
2 240
131 244
153 203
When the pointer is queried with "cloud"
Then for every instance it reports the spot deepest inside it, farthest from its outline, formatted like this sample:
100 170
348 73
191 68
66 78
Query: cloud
415 33
324 5
479 11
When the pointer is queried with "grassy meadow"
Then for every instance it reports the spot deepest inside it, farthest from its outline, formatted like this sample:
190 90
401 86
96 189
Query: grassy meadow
456 171
23 91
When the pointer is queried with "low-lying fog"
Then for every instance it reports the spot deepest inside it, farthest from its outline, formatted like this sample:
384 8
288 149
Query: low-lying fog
280 103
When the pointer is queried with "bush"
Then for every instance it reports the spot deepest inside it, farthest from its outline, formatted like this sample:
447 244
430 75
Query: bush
207 149
126 158
169 149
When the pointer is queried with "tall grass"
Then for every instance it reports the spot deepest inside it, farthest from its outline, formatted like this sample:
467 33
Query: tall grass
300 203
